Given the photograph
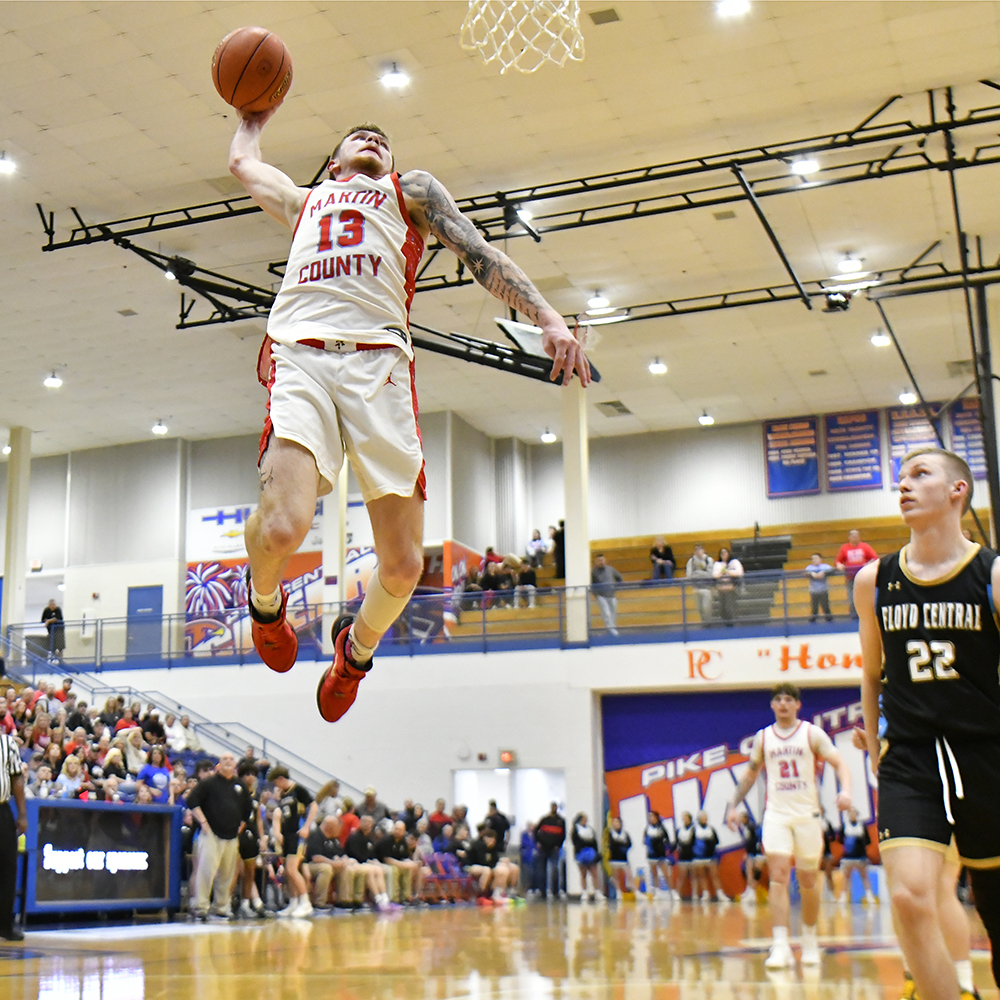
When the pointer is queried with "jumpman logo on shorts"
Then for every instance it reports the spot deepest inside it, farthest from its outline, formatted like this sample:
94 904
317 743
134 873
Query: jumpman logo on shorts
388 380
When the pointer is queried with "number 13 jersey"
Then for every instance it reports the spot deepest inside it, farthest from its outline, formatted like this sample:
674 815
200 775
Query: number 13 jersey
351 268
941 651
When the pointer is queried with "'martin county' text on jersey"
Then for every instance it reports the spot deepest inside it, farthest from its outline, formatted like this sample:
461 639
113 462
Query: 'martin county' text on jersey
941 651
351 268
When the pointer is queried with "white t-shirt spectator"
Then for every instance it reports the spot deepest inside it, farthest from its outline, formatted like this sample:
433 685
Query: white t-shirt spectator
176 737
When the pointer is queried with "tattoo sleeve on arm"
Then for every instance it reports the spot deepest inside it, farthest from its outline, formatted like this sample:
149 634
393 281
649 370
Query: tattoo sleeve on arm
493 269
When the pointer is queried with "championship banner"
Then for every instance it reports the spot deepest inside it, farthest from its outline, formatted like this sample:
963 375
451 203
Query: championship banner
853 451
967 435
908 429
686 753
792 454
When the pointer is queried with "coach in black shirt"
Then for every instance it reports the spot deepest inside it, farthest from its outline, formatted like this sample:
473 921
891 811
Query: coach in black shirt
220 804
360 844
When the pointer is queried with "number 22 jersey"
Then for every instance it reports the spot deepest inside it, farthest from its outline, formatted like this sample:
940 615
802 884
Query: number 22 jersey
351 268
941 651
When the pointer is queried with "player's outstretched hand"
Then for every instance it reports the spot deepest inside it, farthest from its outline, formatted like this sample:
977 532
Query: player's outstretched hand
258 119
843 801
564 349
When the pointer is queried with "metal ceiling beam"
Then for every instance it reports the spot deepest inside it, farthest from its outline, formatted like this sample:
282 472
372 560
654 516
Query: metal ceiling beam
683 184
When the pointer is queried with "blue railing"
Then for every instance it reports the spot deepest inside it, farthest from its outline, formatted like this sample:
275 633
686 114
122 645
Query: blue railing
762 603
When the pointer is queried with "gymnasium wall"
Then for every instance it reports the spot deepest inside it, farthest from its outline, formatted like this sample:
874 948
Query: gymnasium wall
689 480
472 485
434 432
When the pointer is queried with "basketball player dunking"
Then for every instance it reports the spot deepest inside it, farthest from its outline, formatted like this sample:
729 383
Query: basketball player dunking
790 752
930 646
338 362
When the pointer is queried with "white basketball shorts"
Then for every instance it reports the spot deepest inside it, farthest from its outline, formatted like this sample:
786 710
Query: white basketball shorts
358 399
794 836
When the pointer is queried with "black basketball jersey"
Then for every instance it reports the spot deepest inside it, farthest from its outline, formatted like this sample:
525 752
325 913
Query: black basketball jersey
942 651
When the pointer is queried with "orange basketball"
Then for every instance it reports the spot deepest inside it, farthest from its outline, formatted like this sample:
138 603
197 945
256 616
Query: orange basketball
252 69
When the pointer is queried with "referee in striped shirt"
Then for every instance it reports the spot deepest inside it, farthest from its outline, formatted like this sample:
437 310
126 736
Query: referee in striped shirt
11 784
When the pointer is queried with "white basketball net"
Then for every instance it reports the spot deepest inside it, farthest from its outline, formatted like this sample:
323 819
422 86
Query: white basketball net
524 34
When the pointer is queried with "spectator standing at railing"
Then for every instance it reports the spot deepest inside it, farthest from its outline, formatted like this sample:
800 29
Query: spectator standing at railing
536 549
526 585
661 556
819 589
219 804
727 571
550 834
52 619
853 554
603 581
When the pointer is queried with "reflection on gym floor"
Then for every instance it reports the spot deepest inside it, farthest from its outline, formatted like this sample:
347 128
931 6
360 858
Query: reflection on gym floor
539 952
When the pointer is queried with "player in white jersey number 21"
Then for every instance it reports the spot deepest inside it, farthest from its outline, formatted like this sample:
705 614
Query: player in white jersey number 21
791 752
338 363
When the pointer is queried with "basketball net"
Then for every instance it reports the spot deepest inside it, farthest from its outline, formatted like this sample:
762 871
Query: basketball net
524 34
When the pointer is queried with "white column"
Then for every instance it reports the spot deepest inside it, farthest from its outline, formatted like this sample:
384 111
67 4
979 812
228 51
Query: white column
334 554
15 563
576 466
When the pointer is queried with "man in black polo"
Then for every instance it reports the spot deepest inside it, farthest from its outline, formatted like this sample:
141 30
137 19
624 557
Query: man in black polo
550 835
220 805
395 853
360 847
325 858
11 786
496 820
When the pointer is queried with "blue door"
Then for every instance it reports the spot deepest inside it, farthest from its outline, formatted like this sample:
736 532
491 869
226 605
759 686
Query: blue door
144 629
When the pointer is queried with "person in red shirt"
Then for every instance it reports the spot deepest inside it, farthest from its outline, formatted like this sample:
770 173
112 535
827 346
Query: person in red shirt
66 685
127 722
7 724
349 821
852 556
437 819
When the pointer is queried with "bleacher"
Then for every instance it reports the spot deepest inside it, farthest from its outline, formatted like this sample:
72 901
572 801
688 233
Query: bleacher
786 547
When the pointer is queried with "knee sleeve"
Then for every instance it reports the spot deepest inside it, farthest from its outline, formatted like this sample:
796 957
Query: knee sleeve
986 888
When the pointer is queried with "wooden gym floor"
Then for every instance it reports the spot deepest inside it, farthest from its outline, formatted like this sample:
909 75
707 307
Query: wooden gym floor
558 951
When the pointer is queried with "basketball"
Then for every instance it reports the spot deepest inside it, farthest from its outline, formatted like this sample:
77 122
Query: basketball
252 69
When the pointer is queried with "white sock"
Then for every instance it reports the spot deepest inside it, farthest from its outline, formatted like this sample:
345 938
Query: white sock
780 935
267 604
963 969
359 652
381 899
809 933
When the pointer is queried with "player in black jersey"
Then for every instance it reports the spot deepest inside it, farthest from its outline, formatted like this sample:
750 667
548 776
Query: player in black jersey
252 840
931 647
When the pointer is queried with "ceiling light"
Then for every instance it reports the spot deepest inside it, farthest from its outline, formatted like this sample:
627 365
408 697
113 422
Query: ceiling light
907 398
159 427
597 301
807 165
705 420
524 214
52 381
394 79
548 437
837 301
732 8
6 166
849 265
169 273
657 367
6 449
881 339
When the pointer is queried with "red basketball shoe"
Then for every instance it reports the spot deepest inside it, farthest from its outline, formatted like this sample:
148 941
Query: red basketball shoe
275 641
338 687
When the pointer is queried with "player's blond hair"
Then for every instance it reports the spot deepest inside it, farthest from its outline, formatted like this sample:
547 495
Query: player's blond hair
955 465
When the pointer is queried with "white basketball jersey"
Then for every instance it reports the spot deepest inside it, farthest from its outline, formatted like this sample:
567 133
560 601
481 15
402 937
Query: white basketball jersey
352 267
790 766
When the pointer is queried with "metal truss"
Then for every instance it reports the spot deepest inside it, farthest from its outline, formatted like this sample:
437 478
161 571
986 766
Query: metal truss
883 150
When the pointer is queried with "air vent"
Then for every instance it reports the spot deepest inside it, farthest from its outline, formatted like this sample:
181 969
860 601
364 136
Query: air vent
607 16
724 215
127 312
957 369
614 408
818 371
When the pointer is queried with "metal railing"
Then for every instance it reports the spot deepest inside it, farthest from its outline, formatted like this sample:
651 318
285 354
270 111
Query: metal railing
26 667
766 602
